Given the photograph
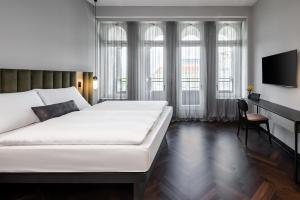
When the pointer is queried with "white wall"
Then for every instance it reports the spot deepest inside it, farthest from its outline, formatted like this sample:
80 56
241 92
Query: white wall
46 34
276 29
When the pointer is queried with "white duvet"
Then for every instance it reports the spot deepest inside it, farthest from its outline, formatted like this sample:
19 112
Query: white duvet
98 125
130 105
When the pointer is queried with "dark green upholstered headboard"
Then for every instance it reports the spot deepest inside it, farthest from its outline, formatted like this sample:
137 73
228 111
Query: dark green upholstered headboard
20 80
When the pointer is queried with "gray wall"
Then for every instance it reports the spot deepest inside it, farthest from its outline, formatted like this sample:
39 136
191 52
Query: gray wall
276 29
171 12
46 34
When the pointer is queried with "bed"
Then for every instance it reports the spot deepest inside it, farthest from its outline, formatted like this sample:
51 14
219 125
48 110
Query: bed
27 156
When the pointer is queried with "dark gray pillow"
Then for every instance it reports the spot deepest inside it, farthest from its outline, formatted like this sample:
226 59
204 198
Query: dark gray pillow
55 110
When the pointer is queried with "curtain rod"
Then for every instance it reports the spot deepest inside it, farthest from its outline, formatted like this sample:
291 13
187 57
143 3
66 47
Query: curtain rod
165 18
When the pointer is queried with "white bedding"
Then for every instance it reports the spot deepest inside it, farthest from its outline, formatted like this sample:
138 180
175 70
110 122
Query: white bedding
86 158
102 124
130 105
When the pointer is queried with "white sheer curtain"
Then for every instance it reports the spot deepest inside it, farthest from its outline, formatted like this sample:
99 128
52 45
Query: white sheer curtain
225 76
199 67
229 60
112 60
191 70
151 61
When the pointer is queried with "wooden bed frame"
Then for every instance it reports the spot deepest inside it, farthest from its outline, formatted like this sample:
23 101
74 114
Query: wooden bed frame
14 80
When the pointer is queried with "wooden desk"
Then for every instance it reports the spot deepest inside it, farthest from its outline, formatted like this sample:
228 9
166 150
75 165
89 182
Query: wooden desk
287 113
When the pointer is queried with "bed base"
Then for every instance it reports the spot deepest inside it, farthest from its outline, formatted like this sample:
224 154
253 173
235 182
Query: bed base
137 179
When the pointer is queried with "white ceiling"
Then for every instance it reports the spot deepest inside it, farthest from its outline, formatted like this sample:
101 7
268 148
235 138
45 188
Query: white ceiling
174 2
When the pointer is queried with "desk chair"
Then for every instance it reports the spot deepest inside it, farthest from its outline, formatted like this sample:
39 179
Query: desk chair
250 120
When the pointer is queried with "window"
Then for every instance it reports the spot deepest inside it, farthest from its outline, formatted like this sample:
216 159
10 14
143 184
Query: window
154 42
229 59
198 66
152 61
190 63
113 60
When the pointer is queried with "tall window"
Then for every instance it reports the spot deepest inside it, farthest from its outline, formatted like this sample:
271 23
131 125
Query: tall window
190 65
113 60
152 61
203 63
229 61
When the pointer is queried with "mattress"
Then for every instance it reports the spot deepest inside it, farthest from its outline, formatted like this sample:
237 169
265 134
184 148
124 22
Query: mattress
130 105
87 158
93 127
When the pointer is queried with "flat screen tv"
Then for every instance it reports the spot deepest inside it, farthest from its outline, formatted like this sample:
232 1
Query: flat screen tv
280 69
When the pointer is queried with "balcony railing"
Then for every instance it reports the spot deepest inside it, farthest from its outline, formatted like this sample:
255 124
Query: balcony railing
225 85
157 84
190 84
190 91
122 85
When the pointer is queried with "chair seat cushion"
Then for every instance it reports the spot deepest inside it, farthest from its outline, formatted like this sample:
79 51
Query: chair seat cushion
256 117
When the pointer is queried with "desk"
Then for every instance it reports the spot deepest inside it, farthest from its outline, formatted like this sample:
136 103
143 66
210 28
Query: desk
287 113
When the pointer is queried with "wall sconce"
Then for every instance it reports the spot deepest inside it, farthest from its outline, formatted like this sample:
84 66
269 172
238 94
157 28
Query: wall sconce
95 78
79 84
95 82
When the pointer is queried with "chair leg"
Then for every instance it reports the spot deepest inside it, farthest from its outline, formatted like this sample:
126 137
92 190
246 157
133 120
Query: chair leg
258 129
269 133
246 140
238 132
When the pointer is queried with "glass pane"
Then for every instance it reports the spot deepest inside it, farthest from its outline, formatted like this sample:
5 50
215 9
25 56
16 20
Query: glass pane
122 70
156 68
190 75
154 33
117 33
227 33
225 59
190 33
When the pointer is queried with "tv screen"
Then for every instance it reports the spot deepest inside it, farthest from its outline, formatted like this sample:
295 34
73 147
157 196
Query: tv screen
281 69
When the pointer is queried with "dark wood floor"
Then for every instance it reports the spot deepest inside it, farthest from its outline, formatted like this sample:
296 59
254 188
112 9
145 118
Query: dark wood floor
203 161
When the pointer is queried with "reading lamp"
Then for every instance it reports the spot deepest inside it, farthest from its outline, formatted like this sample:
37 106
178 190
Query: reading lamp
95 78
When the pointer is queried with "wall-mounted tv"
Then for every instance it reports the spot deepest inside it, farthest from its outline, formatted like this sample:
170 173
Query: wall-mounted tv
280 69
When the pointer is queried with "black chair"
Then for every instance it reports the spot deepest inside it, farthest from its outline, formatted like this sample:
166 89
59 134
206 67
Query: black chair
250 120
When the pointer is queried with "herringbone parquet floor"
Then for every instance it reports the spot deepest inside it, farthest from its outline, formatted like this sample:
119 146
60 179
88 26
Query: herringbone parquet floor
203 161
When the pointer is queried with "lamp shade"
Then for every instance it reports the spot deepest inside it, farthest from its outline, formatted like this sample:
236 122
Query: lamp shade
95 83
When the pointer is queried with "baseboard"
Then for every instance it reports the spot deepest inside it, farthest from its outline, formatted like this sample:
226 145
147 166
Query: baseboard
282 145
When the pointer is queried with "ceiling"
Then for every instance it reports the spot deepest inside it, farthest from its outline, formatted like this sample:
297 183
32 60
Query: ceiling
174 2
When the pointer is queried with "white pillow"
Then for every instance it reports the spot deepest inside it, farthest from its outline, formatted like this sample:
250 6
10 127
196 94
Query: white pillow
53 96
16 110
